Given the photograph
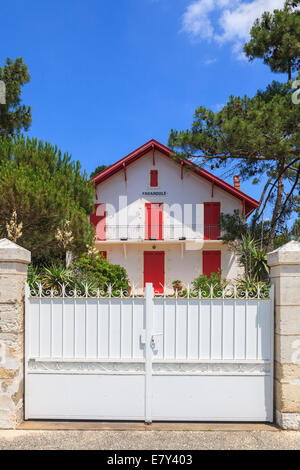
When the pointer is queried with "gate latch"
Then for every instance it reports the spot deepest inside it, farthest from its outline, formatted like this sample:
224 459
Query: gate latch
152 338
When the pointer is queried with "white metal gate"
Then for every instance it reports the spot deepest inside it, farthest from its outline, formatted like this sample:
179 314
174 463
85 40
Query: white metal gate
149 358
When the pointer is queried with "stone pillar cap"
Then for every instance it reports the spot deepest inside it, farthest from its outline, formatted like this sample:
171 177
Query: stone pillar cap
10 252
285 254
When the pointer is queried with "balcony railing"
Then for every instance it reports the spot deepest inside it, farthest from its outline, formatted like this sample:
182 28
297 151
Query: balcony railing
161 232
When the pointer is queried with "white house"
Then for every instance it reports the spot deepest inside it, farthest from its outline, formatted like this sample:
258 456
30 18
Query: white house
159 218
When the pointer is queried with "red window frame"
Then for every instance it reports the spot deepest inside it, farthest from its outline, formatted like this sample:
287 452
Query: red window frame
153 178
154 220
154 269
211 261
211 220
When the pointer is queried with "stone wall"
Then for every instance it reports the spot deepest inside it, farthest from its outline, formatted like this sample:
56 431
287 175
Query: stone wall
285 275
13 273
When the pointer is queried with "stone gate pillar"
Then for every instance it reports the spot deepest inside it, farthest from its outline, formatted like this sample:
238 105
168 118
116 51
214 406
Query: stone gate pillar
13 273
285 275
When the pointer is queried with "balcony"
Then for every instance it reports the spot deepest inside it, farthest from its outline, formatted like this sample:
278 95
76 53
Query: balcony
180 232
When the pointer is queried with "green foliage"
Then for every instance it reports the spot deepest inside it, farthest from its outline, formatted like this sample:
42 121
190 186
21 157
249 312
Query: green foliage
275 38
214 286
95 272
98 270
177 282
253 259
203 283
233 226
98 170
14 117
45 188
33 275
252 287
261 135
55 275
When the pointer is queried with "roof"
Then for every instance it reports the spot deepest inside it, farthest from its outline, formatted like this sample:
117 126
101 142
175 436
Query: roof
249 203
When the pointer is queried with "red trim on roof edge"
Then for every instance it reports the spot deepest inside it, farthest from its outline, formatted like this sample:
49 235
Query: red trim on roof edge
250 203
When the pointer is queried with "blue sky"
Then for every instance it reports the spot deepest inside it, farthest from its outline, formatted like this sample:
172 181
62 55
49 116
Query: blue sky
106 76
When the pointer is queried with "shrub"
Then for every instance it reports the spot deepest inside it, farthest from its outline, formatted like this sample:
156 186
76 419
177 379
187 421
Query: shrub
91 272
99 271
251 287
53 276
33 275
253 259
203 283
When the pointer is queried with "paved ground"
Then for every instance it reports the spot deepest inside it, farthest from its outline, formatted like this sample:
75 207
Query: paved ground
235 436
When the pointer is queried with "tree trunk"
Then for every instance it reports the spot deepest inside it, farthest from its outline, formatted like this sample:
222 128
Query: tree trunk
256 214
289 73
69 258
272 231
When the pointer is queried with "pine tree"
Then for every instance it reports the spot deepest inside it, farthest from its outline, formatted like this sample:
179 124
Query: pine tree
260 136
14 117
47 190
275 38
98 170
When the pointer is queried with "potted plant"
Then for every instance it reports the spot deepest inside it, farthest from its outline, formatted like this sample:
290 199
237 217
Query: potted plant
177 285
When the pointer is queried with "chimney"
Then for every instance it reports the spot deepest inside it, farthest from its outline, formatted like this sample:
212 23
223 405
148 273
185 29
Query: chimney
236 181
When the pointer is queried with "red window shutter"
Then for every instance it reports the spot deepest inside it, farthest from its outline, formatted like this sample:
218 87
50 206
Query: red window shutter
211 220
154 220
211 262
98 219
153 178
154 269
103 253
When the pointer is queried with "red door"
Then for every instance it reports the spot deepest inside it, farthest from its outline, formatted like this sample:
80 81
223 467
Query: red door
211 262
98 219
154 269
211 220
154 221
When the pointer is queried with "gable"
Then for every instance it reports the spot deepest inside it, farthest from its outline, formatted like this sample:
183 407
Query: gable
249 204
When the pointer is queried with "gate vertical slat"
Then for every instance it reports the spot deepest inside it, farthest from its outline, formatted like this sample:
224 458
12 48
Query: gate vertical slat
210 328
233 326
98 335
164 327
148 351
222 331
74 334
257 314
246 329
132 328
39 330
85 328
108 327
175 330
199 329
121 313
51 327
62 328
187 329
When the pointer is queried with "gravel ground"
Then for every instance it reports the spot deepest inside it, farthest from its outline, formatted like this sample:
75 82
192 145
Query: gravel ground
156 440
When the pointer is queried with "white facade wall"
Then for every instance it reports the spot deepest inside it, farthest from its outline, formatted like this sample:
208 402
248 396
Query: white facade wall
125 205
